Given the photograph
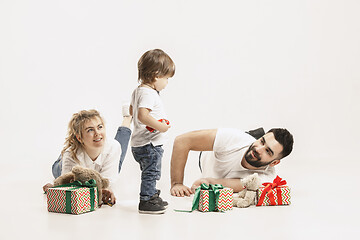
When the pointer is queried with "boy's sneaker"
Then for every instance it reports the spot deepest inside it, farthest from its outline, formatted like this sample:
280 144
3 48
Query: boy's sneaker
159 199
151 206
126 110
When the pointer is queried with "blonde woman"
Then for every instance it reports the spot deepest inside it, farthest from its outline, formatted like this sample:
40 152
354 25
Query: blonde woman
86 145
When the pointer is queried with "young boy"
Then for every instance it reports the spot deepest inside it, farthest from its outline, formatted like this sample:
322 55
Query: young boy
150 125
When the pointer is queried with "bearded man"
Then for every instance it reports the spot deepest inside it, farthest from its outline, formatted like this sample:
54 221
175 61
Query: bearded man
229 155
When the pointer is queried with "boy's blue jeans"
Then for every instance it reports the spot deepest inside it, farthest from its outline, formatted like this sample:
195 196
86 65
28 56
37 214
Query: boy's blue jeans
149 157
122 136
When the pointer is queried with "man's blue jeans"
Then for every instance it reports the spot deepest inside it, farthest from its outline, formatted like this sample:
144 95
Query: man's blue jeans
122 136
149 157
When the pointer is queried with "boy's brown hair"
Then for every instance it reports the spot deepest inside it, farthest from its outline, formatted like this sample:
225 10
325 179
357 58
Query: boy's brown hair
155 64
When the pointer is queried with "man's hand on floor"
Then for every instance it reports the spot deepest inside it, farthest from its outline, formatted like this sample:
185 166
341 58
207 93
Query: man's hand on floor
180 190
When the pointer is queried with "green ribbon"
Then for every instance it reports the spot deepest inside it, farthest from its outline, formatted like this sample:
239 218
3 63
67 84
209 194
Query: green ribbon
214 193
75 185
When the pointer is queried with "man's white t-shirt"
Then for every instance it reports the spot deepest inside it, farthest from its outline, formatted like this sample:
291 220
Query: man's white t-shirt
225 160
107 163
143 97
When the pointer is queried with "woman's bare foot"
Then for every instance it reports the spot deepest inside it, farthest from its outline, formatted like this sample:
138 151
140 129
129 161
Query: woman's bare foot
127 118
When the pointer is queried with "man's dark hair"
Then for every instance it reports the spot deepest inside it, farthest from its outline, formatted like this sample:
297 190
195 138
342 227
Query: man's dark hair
285 138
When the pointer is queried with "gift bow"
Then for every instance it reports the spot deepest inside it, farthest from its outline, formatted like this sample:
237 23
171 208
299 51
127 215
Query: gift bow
77 184
90 183
268 189
214 191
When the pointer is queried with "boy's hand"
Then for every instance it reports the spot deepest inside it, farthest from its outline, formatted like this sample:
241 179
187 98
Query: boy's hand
180 190
165 126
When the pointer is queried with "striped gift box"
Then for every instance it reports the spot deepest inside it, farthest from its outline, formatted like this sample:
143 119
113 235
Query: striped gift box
74 200
224 203
280 196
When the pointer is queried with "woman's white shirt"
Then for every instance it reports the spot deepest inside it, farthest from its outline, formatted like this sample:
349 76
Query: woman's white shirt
107 163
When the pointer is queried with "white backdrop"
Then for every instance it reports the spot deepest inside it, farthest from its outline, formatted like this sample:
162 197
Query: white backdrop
244 64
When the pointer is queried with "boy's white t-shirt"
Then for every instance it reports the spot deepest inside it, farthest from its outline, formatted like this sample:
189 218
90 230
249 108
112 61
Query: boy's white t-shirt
143 97
107 163
225 160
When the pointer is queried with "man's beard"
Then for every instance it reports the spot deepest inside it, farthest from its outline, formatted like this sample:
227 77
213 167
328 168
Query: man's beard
255 162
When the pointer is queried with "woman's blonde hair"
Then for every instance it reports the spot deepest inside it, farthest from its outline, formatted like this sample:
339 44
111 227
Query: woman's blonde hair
75 127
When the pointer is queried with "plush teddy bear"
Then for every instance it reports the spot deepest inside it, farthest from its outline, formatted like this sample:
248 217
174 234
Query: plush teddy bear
247 196
81 174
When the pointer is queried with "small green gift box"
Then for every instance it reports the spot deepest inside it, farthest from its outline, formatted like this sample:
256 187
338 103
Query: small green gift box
214 198
73 198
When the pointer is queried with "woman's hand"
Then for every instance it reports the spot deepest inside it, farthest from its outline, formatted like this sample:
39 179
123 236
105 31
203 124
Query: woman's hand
47 186
108 196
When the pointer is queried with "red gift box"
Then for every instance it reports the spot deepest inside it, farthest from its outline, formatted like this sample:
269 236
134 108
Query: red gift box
275 193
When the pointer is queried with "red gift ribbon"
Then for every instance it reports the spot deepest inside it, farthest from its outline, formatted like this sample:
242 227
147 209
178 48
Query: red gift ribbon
269 189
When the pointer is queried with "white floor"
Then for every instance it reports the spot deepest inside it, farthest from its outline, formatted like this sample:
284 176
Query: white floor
324 206
241 64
